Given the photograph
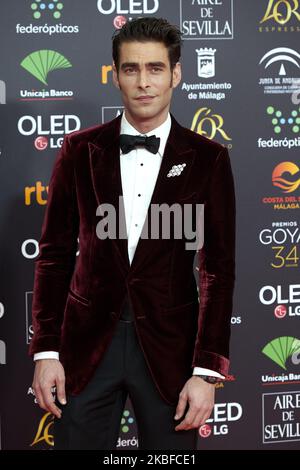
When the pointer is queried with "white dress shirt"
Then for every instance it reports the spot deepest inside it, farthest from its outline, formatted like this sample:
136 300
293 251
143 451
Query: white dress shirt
139 171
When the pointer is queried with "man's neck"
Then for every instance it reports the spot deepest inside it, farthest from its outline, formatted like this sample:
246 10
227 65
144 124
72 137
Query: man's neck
148 125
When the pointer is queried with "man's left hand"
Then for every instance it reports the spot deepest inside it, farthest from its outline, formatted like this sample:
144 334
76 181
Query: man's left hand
200 396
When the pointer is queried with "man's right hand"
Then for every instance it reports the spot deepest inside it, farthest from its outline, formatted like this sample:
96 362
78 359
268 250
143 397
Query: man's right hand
49 373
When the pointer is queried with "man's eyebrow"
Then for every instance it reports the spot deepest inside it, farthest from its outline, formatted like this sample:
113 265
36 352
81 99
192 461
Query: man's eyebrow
148 64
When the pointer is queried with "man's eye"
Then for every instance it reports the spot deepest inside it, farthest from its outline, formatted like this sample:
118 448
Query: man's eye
130 70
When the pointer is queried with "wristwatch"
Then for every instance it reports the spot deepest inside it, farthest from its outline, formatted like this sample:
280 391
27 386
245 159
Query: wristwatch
209 378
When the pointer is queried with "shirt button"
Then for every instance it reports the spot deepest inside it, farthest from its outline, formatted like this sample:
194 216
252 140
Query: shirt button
139 195
142 164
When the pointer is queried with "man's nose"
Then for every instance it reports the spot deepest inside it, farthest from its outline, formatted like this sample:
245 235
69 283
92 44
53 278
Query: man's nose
143 80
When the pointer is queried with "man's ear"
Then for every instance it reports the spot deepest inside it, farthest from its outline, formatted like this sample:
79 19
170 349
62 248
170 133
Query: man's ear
115 76
176 75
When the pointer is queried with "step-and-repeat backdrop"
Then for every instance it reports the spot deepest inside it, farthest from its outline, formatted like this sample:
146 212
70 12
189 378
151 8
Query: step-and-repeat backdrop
241 63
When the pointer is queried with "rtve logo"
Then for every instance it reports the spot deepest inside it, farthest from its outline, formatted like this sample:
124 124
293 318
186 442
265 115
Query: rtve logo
35 194
106 73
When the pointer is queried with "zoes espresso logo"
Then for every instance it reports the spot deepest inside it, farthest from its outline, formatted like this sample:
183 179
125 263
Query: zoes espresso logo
281 16
206 19
39 64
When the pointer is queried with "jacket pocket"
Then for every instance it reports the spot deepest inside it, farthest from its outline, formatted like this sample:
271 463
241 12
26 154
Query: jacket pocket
78 298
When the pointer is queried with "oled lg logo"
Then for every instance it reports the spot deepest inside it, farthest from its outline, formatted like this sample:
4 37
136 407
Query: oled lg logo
2 343
286 303
54 125
128 7
30 248
222 415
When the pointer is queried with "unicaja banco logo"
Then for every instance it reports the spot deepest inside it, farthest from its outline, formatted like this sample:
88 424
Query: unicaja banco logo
39 8
126 421
41 63
282 182
279 121
282 11
209 124
280 349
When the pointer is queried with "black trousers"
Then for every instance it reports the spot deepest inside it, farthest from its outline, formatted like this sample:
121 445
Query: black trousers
91 420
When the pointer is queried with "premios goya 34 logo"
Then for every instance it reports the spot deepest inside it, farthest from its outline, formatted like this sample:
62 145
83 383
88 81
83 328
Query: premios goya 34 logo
279 350
39 8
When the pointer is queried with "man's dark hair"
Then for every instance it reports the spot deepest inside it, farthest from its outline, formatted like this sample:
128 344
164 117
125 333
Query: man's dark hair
148 29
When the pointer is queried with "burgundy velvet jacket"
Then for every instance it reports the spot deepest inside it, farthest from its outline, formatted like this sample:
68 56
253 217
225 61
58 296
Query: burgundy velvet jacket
77 299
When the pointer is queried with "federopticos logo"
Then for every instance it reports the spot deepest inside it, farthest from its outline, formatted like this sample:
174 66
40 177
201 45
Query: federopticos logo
49 11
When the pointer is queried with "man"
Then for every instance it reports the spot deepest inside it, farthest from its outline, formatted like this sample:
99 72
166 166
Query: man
124 318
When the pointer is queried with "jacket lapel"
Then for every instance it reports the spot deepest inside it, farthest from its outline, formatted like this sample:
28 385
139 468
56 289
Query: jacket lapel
106 177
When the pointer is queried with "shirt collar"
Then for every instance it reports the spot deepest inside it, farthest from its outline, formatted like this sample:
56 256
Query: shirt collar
161 131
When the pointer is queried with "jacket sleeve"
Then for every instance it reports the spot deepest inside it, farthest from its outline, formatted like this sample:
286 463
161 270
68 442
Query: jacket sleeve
217 270
55 263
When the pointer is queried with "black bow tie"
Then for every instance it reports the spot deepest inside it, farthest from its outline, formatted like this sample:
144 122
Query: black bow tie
129 142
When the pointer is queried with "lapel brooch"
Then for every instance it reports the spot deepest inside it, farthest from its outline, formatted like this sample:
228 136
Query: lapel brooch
176 170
